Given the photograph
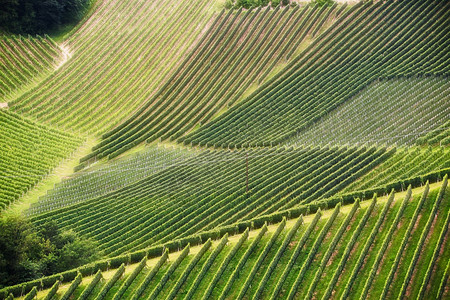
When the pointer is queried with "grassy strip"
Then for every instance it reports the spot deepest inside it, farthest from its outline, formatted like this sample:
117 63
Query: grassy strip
422 239
337 237
427 277
312 253
169 272
32 294
52 291
348 250
367 246
188 270
111 282
88 290
385 244
130 279
207 266
261 258
224 264
403 244
276 259
444 282
296 253
242 262
72 287
150 275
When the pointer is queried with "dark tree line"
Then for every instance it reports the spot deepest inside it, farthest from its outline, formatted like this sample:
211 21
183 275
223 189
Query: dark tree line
39 16
27 253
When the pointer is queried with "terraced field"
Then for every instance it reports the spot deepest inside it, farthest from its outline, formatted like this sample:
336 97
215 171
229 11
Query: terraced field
407 163
91 93
439 136
331 254
105 179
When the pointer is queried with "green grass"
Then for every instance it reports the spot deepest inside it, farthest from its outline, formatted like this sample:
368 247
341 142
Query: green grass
278 271
192 275
337 253
231 266
60 173
427 251
331 264
356 251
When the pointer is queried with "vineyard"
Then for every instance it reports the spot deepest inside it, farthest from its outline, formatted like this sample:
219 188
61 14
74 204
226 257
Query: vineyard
228 150
181 196
379 41
28 152
91 92
25 60
422 104
240 50
326 255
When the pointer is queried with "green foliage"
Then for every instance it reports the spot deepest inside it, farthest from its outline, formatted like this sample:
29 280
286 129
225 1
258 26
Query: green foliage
310 86
275 260
297 250
88 290
249 3
312 253
367 246
166 276
226 261
206 266
140 290
130 279
260 260
188 270
75 283
384 246
32 294
280 179
404 241
243 260
423 237
322 2
30 16
105 289
27 253
52 291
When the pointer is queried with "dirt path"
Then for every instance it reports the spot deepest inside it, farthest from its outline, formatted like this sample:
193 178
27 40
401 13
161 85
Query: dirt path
65 55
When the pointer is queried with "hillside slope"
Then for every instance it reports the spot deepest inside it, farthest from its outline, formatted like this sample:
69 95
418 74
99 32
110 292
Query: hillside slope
239 53
417 106
246 142
147 39
25 60
384 40
28 152
209 190
330 255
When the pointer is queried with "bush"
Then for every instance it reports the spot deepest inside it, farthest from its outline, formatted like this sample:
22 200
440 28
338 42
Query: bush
322 2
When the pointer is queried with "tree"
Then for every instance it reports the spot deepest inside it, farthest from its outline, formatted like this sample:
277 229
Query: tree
39 16
27 253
